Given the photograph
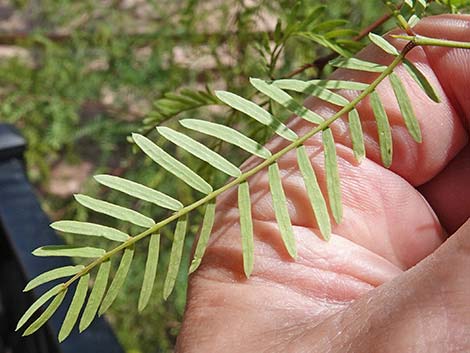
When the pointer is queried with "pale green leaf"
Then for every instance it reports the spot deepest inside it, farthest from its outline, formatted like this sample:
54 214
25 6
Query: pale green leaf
52 275
383 44
405 107
175 256
383 128
150 271
421 80
280 209
38 303
75 306
314 193
69 251
139 191
119 212
96 295
332 175
46 315
206 229
199 150
171 164
227 134
323 41
413 21
281 97
313 89
92 229
246 227
256 112
357 136
357 64
118 281
300 86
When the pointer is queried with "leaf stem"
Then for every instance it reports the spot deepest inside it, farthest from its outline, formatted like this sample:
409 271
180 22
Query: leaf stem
419 40
295 144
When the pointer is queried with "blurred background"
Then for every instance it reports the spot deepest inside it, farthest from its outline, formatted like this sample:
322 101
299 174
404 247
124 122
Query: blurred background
77 77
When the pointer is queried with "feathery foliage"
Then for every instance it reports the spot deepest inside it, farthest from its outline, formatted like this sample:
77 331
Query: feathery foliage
328 34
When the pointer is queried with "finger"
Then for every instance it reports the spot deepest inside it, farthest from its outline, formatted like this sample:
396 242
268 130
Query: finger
382 212
442 124
423 310
449 192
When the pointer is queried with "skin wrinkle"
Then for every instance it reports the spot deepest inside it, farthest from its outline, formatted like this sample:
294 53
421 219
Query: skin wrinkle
366 319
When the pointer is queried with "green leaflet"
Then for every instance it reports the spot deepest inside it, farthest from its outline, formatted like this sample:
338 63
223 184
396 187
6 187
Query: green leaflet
280 209
175 256
325 42
91 229
38 303
332 175
69 251
357 136
413 21
383 44
75 307
46 315
301 86
96 295
285 100
383 127
342 32
199 150
115 211
314 90
139 191
150 271
357 64
314 193
118 281
246 227
405 107
256 112
421 80
171 164
227 134
52 275
207 224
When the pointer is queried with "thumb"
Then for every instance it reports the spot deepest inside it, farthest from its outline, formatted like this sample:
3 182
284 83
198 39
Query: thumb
424 310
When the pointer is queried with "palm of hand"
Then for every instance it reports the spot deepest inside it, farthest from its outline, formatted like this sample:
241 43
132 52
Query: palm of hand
327 300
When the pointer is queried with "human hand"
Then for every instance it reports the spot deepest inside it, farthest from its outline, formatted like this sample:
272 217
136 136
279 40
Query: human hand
361 291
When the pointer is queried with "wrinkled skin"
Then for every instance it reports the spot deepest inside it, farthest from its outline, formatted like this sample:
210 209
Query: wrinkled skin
388 280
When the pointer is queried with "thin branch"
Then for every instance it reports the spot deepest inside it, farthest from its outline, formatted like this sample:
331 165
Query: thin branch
296 143
320 63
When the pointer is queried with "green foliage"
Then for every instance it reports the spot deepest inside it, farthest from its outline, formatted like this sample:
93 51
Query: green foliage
101 49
